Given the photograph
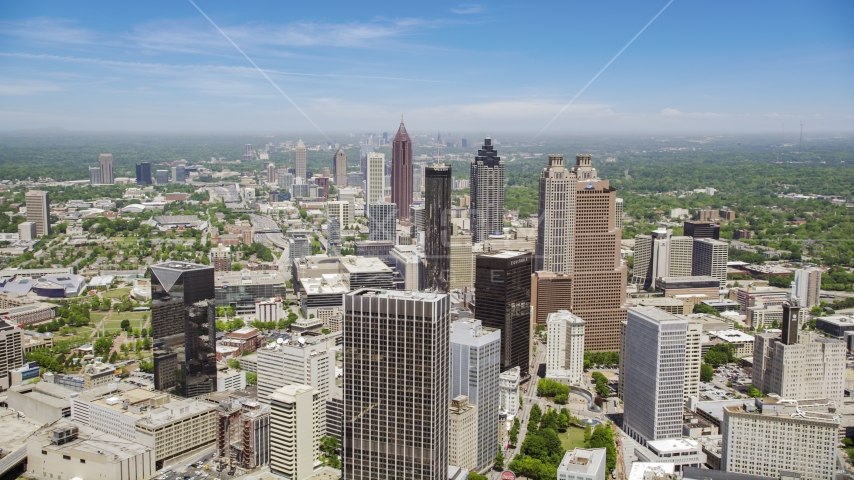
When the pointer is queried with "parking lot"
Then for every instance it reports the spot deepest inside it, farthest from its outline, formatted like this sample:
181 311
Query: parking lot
194 469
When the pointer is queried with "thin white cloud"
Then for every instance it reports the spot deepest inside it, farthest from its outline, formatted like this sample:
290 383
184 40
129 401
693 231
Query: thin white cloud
17 87
468 9
45 30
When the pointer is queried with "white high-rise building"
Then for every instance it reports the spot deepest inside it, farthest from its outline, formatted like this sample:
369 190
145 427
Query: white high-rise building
374 179
565 348
475 362
709 259
556 220
693 358
341 209
661 255
292 429
618 219
508 384
776 436
305 360
654 374
807 286
462 263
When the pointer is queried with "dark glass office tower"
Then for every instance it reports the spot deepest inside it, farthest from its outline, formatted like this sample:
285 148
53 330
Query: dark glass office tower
487 193
702 229
143 173
503 301
183 324
437 226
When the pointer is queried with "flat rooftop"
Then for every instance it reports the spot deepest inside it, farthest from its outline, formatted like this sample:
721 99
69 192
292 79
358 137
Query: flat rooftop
92 441
583 460
673 445
733 336
352 264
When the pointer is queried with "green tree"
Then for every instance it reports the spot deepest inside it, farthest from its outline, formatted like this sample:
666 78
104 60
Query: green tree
251 378
102 346
329 445
707 372
603 437
498 464
754 392
703 308
534 419
234 364
125 324
476 476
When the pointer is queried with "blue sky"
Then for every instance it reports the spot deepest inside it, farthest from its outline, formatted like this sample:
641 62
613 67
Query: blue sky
702 66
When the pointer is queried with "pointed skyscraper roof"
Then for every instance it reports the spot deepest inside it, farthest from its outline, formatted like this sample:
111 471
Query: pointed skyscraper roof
300 144
401 132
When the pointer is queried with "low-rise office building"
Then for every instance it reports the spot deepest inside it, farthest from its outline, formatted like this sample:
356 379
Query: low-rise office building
742 342
582 464
66 450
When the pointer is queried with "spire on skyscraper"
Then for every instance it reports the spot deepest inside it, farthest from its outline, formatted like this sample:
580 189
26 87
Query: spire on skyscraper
401 172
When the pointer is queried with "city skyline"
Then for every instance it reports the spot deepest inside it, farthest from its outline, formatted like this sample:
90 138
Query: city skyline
176 71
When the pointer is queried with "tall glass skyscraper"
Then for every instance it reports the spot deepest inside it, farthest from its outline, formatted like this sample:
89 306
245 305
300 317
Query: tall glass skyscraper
183 325
487 193
437 226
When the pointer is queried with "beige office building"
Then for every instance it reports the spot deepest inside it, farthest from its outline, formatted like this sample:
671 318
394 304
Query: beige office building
462 263
38 210
299 165
292 431
340 167
661 255
710 257
814 367
341 209
556 219
779 437
462 434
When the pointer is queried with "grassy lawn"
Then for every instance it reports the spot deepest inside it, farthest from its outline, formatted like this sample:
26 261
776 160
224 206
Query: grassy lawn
125 241
95 317
136 320
574 437
116 293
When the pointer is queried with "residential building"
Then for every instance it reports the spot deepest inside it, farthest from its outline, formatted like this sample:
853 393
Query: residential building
341 209
65 449
389 377
299 156
339 168
807 286
38 210
221 258
702 229
183 307
556 218
401 171
106 162
661 255
11 351
583 464
462 428
292 431
503 286
382 221
655 357
508 385
374 179
143 173
565 348
487 193
781 438
799 366
709 259
475 357
437 228
462 263
306 361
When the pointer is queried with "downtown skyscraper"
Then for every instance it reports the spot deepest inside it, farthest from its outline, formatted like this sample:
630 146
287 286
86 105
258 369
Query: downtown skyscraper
339 168
396 385
183 321
299 166
578 247
401 172
437 226
487 193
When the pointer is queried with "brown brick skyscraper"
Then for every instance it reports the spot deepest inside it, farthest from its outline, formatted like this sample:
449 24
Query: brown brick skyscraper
598 280
401 172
